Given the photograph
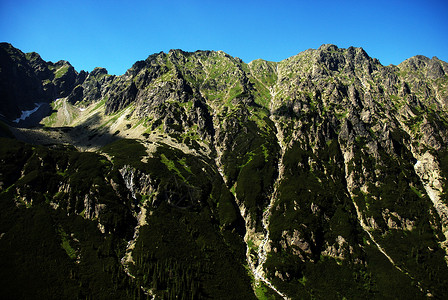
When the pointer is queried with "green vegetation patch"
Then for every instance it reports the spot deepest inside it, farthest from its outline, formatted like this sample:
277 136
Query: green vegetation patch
61 71
65 244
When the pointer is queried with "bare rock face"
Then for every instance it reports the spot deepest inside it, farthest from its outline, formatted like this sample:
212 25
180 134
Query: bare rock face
297 244
322 176
428 169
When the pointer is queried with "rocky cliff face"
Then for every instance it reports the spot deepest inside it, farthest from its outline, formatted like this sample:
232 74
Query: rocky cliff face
26 79
323 174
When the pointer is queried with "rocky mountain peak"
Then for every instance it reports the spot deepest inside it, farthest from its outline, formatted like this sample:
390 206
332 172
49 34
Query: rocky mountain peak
328 47
432 68
98 72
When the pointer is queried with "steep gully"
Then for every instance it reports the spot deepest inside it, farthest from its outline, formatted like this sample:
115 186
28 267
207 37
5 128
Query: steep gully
263 249
256 265
264 246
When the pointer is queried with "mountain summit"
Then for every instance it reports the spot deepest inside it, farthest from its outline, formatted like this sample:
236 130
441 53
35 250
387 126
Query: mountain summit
196 175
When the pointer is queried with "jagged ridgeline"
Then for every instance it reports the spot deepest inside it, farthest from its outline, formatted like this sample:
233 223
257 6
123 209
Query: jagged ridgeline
198 176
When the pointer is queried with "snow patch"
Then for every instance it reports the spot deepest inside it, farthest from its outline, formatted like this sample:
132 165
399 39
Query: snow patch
27 113
417 164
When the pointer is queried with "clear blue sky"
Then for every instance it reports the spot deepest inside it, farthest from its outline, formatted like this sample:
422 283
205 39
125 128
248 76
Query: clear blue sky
115 34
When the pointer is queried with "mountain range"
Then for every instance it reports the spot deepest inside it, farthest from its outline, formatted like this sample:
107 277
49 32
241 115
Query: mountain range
195 175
